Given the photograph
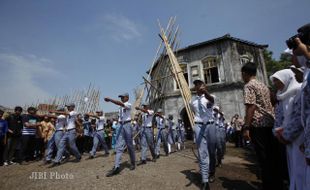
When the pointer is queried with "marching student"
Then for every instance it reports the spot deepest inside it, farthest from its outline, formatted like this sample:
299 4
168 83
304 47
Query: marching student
147 135
161 134
124 135
99 135
205 131
53 144
69 136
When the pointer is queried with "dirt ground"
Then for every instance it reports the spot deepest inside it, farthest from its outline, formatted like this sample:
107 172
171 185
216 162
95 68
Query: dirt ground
177 171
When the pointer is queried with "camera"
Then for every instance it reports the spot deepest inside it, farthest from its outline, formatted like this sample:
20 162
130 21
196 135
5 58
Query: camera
303 35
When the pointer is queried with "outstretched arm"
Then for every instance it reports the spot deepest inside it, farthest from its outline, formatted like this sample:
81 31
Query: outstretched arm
143 110
116 102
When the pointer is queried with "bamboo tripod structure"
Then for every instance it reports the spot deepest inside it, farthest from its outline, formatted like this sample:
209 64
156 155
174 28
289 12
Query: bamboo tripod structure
167 67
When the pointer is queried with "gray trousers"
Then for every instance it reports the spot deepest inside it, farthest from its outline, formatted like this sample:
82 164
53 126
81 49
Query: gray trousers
99 140
53 144
67 139
161 137
147 140
205 136
123 138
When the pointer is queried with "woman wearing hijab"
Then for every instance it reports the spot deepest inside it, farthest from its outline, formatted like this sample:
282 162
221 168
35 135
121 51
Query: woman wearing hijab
288 132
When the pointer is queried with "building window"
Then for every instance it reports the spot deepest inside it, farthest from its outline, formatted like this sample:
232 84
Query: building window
185 74
245 59
210 69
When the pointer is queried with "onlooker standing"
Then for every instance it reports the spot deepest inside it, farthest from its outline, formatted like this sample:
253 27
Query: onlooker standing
14 135
237 123
258 125
31 123
47 129
288 128
3 131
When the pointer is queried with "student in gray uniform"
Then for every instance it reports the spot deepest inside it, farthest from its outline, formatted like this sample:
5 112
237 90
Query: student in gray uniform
220 135
147 135
99 135
171 136
180 134
205 131
69 136
136 132
87 133
124 134
161 134
53 143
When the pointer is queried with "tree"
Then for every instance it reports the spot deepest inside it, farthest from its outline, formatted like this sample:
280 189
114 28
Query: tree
273 65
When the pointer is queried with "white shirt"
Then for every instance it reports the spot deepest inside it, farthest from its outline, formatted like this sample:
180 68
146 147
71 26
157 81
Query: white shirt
160 122
124 112
71 120
100 123
207 109
147 118
171 124
61 122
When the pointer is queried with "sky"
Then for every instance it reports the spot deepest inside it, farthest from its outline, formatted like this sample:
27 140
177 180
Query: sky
53 47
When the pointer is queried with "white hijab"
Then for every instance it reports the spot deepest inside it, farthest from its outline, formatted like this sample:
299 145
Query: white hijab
291 86
287 95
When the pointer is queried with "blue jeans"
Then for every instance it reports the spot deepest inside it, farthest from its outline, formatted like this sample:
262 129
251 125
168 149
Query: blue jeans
67 139
123 138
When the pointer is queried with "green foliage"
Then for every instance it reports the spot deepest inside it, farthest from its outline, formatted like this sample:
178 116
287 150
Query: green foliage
273 65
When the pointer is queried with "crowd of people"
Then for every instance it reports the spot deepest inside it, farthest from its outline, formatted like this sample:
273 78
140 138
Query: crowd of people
279 131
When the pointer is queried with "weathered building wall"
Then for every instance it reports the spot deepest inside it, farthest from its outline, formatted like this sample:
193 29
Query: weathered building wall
230 56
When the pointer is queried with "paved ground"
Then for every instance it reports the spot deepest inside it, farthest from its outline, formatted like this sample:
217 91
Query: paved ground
177 171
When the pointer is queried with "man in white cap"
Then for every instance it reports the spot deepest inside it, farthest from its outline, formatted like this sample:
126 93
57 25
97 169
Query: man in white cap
205 130
161 135
124 134
69 136
147 135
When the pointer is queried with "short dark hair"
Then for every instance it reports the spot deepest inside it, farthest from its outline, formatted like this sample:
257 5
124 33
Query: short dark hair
18 108
31 109
249 68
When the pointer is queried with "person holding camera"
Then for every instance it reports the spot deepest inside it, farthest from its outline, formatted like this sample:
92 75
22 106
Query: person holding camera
300 44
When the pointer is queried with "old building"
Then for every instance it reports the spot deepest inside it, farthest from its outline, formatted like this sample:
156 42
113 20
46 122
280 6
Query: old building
218 62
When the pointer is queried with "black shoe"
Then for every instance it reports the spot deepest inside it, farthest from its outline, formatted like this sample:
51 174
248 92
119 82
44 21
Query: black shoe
76 160
113 172
205 186
55 164
91 157
132 167
46 162
157 156
142 162
211 178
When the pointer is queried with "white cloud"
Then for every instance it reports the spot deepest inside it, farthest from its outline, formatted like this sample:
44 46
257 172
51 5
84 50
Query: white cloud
20 76
120 28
